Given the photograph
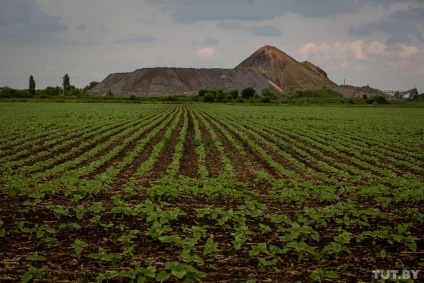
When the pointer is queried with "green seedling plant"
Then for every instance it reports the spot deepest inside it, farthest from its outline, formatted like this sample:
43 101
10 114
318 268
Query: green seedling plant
80 210
319 275
36 257
301 247
173 240
157 229
241 235
180 271
32 273
137 274
59 210
128 242
79 246
338 246
210 247
96 207
102 255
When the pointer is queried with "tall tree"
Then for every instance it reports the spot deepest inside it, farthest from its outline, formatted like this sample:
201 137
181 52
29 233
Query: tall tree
66 81
31 87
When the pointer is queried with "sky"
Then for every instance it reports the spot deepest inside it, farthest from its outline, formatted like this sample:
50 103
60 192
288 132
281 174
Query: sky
379 43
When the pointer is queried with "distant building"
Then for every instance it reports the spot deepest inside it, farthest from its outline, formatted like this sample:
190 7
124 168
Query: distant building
409 95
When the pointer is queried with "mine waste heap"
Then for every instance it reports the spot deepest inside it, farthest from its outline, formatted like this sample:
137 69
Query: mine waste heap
266 67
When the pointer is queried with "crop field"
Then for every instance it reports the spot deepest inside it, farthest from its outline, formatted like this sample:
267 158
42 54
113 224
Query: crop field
211 193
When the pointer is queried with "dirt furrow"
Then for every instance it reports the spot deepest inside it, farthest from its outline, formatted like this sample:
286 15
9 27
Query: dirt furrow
213 160
189 163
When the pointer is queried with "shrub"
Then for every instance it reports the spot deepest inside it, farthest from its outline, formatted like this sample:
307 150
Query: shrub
266 99
270 92
234 93
248 92
228 98
378 100
220 96
209 97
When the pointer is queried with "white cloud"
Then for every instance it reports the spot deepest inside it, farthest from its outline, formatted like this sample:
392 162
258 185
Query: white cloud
408 51
207 53
358 49
378 48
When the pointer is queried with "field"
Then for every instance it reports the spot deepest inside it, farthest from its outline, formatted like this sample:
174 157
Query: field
215 193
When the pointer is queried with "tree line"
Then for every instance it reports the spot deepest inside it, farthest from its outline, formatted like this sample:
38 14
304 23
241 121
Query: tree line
67 89
247 94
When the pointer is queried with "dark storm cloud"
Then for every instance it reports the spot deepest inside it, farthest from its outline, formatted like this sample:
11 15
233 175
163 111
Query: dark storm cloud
137 38
262 30
189 11
24 21
400 26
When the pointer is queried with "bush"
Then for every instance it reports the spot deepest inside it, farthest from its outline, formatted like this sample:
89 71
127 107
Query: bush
321 93
270 92
172 98
266 99
220 96
209 97
234 93
248 92
378 100
228 98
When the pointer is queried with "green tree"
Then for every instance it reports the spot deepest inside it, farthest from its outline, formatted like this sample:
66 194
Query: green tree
228 98
209 97
52 91
31 87
220 96
7 92
270 92
66 81
234 93
248 92
90 86
202 92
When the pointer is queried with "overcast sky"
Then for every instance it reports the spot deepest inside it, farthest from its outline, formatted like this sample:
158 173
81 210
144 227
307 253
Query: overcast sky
375 42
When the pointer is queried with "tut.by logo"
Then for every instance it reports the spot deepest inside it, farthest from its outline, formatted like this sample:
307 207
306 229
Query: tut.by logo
395 274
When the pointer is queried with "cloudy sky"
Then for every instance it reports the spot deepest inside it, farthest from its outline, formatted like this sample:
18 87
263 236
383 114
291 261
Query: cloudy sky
375 42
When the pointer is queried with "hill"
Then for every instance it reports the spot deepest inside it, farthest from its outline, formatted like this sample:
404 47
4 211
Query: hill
285 71
266 67
178 81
